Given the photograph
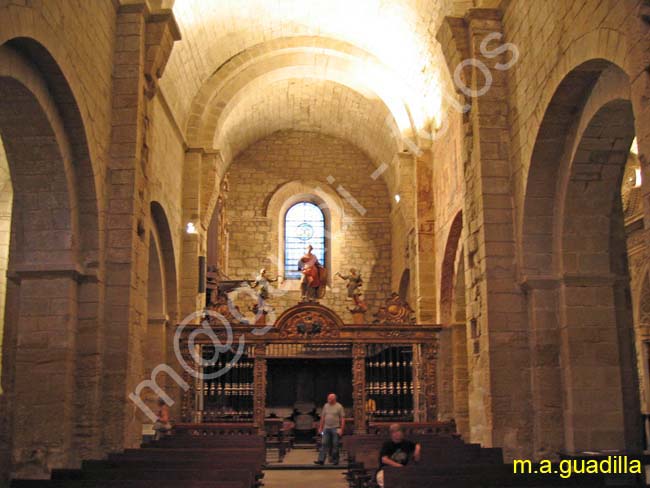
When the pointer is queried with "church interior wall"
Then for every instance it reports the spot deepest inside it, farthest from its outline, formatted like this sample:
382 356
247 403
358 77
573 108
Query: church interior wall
364 240
552 39
167 157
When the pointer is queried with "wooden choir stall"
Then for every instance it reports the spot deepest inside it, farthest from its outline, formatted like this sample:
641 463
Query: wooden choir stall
385 369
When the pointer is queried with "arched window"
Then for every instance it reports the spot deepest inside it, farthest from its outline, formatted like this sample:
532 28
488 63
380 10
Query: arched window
304 224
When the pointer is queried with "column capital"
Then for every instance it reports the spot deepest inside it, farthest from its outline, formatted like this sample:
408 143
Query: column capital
474 14
74 271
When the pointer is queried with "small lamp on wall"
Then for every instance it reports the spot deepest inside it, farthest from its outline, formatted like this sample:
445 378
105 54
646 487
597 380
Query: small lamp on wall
190 228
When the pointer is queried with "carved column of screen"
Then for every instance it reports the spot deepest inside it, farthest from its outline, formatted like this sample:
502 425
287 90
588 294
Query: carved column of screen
259 386
359 387
418 403
190 408
428 364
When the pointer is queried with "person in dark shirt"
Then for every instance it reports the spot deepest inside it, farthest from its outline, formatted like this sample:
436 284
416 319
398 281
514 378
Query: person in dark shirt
397 452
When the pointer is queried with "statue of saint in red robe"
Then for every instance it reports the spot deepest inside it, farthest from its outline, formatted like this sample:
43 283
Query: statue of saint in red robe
314 276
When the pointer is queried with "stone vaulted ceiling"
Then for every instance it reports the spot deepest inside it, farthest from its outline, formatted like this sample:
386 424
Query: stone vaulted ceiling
362 70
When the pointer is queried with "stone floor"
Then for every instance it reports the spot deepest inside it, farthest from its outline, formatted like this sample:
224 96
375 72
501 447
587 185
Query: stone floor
295 478
309 477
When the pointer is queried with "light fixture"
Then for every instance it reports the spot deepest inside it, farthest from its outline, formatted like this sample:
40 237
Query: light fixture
191 228
637 177
397 198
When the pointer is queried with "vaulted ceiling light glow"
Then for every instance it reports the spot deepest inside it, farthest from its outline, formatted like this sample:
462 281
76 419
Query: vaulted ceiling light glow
191 228
634 148
399 63
397 198
637 178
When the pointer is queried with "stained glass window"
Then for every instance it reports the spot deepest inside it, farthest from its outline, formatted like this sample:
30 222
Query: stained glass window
304 224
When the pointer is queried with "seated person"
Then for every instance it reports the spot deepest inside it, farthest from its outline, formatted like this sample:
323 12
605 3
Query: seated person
162 426
397 452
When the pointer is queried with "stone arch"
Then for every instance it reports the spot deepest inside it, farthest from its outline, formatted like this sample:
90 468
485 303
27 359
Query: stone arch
329 202
54 261
597 81
405 285
449 267
573 261
156 285
594 265
585 49
334 59
165 248
42 44
460 353
256 80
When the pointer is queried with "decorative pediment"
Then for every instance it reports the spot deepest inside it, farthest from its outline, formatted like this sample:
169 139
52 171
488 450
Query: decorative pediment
396 311
308 320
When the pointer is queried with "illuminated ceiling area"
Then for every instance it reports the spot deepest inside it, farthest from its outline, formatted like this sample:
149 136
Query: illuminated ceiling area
361 70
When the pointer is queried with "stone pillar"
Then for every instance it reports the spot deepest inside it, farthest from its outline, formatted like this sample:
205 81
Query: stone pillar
460 400
445 383
126 246
545 372
499 389
259 387
402 220
155 353
359 388
429 381
592 368
142 46
193 244
425 302
44 373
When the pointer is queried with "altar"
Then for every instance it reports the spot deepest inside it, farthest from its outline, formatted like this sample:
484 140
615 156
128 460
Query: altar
391 365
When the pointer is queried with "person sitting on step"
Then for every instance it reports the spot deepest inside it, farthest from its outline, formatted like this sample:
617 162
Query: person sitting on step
397 452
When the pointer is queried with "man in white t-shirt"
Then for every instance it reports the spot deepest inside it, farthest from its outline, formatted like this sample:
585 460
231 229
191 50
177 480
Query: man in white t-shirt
332 421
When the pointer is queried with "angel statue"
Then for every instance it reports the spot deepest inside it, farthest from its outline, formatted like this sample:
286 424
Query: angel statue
261 309
263 282
314 276
354 283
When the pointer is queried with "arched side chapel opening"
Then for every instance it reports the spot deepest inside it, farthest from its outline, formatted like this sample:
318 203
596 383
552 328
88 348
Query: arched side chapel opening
453 365
52 265
575 267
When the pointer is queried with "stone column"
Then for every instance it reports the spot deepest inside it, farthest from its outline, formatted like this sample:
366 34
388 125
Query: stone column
191 299
155 353
259 387
545 373
425 302
499 389
592 365
359 387
445 373
44 371
460 373
402 220
126 239
142 46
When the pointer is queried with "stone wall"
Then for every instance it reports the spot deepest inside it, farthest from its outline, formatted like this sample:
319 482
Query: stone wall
364 241
519 351
167 155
